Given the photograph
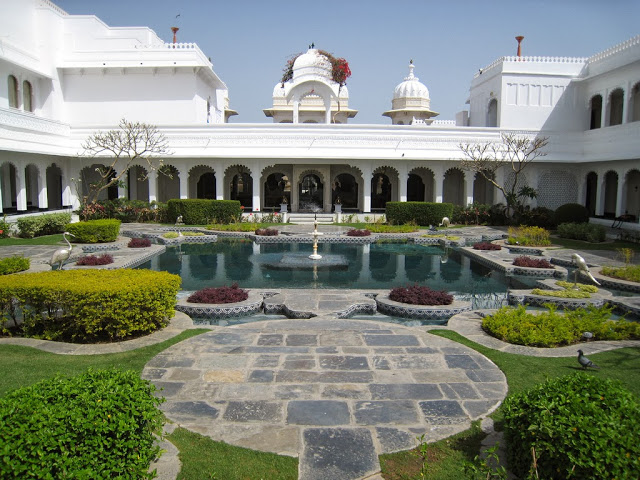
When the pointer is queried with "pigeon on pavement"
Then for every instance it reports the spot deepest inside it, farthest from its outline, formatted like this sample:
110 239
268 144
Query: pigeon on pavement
584 361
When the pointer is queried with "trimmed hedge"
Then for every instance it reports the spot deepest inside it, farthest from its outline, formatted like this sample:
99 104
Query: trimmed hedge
583 231
95 231
571 212
579 426
203 212
100 424
89 305
16 264
36 226
421 213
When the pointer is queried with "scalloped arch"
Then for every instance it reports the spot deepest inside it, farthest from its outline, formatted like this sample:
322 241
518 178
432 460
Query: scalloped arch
311 171
237 168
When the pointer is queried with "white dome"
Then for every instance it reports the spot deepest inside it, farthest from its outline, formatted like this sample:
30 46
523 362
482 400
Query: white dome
411 87
312 63
278 90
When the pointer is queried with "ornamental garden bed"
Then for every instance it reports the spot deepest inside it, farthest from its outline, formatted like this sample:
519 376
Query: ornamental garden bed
251 304
421 303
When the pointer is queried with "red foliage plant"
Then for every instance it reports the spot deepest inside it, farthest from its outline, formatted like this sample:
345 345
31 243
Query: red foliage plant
139 243
266 232
93 260
486 246
224 294
524 261
354 232
420 295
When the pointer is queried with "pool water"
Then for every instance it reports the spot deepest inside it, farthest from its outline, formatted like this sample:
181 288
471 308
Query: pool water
375 266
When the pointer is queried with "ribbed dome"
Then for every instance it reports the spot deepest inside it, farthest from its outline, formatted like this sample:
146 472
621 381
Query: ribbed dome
411 87
312 63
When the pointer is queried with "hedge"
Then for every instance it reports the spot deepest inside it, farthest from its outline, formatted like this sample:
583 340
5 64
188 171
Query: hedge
36 226
97 425
571 212
579 426
203 212
95 231
583 231
89 305
14 264
421 213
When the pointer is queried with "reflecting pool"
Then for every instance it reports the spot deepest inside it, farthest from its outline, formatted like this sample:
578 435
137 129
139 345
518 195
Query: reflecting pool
375 266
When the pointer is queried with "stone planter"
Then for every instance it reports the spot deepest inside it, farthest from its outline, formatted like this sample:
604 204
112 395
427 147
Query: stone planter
406 310
250 306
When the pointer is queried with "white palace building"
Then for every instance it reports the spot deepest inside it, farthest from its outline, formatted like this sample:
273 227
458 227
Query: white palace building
63 77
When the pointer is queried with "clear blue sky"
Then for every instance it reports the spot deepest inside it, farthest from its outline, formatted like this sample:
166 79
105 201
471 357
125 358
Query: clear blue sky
249 41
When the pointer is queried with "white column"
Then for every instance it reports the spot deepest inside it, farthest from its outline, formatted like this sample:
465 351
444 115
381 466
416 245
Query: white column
468 188
219 184
438 176
366 177
6 185
599 194
153 185
296 111
625 103
403 178
184 183
327 108
582 180
620 194
255 178
21 190
43 199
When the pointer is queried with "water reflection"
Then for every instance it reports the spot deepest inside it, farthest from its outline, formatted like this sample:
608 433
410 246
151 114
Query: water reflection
376 266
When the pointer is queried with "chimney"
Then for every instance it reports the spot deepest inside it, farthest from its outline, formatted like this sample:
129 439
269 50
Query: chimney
519 38
174 30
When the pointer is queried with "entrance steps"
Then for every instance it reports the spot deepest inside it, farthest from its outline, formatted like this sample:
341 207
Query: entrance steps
307 218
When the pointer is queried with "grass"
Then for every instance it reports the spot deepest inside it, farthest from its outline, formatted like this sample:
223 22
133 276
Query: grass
446 458
44 240
205 459
583 245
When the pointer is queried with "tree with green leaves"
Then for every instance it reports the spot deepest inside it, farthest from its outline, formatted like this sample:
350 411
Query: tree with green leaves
130 144
514 153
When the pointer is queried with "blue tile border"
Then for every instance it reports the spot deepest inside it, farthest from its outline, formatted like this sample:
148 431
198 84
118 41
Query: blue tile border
250 306
405 310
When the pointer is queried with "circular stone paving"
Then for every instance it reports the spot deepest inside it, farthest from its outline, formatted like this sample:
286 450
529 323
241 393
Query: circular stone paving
335 392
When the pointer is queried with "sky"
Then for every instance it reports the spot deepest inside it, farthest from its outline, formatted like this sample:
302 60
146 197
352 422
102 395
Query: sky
250 41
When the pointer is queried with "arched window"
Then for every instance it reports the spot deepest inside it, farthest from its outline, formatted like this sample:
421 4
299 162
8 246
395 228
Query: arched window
13 92
635 104
596 112
27 97
492 113
615 107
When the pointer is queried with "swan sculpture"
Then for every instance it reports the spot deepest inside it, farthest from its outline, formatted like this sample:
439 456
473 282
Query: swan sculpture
445 222
62 254
583 267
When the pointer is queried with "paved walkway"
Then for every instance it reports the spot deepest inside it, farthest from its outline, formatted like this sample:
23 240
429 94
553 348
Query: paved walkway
334 392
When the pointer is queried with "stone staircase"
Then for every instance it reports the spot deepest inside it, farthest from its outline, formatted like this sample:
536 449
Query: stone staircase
307 218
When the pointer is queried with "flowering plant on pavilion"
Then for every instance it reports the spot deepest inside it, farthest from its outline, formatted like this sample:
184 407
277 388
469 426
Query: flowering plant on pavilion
340 70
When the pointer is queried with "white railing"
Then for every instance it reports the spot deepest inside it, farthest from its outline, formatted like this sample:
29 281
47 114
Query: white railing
530 59
53 6
632 42
18 119
169 46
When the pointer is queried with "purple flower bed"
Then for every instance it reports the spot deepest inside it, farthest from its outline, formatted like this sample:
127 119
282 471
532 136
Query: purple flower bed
232 294
419 295
524 261
139 243
354 232
267 232
94 260
486 246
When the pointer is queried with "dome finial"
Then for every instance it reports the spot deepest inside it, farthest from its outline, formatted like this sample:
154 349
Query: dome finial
411 76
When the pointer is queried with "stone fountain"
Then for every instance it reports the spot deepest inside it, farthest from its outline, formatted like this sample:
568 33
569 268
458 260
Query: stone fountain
315 233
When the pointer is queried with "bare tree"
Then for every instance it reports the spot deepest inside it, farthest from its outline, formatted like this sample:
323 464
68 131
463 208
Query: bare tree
131 143
514 153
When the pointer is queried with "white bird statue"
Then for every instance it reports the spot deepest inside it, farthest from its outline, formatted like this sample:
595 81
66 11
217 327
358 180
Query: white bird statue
62 254
445 222
583 267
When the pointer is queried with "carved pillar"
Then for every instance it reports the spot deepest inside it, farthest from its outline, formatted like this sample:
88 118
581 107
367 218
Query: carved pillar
366 198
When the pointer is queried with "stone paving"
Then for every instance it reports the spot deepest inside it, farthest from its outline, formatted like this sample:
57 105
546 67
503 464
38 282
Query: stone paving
334 392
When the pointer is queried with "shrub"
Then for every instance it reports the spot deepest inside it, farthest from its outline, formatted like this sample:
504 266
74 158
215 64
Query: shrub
36 226
486 246
580 286
571 212
5 228
529 236
420 213
202 212
100 424
14 264
579 426
89 305
475 214
356 232
420 295
550 328
377 228
538 217
524 261
630 273
95 231
225 294
170 235
583 231
266 232
139 243
94 260
124 210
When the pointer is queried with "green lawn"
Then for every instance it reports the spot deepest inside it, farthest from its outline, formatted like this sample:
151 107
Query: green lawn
44 240
582 245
